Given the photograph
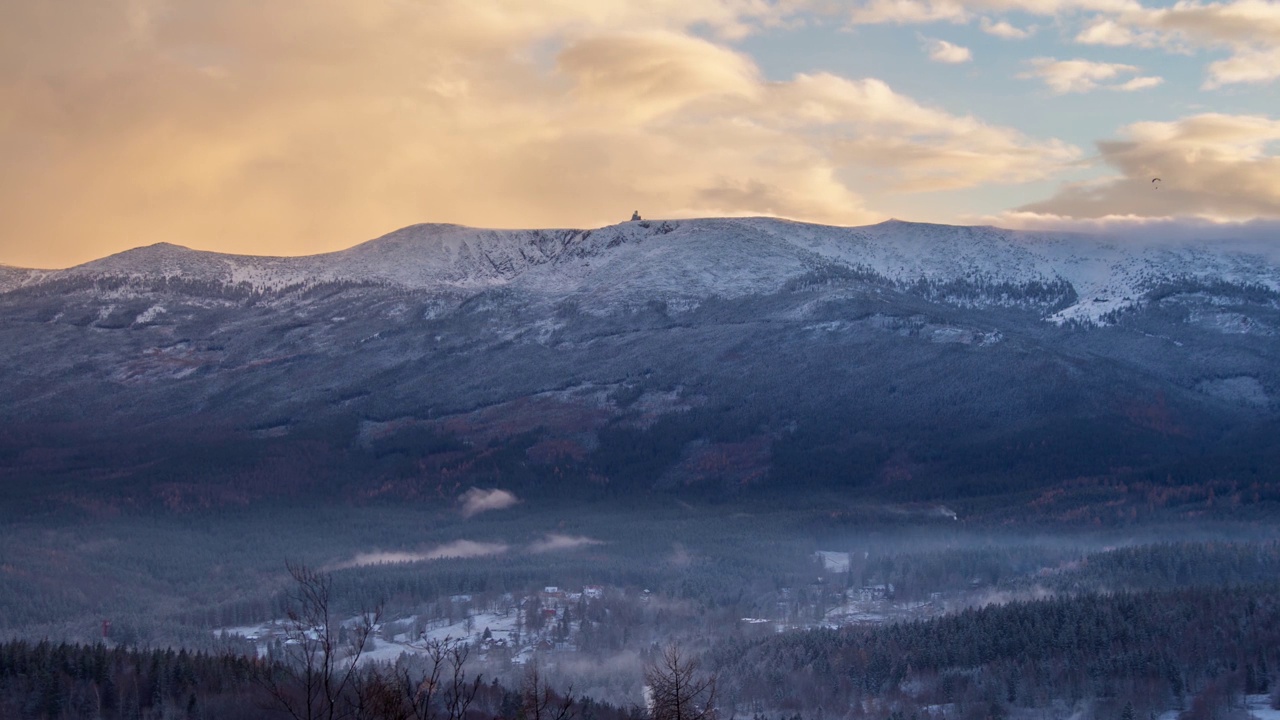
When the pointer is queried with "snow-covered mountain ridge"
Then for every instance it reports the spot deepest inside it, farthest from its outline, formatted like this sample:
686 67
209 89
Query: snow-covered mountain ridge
688 260
716 353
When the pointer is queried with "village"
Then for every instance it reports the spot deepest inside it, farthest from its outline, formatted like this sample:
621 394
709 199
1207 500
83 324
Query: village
505 631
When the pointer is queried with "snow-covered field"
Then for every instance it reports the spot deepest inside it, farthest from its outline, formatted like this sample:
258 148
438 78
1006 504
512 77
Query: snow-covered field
832 561
501 627
1259 706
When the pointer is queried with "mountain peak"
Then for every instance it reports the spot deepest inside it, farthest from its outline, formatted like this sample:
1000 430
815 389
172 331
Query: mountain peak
630 263
145 252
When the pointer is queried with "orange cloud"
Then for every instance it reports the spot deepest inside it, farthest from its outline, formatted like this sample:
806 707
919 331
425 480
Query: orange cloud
263 128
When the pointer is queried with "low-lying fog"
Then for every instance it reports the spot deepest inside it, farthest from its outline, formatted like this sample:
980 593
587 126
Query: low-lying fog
587 596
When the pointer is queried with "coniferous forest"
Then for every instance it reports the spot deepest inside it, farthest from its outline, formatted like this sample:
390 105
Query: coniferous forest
915 620
600 474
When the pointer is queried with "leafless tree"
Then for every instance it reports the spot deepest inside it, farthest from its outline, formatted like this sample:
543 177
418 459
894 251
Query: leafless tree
677 690
378 695
538 702
318 669
442 693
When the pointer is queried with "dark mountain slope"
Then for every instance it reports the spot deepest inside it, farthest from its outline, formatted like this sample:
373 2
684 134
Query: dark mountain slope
1061 375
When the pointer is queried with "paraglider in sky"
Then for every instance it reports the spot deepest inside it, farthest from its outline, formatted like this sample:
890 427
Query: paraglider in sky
1155 183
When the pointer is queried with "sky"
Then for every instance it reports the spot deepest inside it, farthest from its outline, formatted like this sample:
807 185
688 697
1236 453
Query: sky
280 128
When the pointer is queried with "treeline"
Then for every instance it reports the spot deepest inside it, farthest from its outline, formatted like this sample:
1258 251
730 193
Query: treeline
1036 294
44 681
1063 567
1152 650
1162 298
1244 292
917 575
1164 566
240 292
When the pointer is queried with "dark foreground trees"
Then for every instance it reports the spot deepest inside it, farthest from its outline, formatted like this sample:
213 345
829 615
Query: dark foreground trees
318 674
46 681
315 673
321 654
538 701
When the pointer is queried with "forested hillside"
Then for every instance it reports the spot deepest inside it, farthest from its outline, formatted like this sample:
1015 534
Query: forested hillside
1203 647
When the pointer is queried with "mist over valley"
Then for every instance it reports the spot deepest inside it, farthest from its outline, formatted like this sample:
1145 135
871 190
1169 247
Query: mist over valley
885 471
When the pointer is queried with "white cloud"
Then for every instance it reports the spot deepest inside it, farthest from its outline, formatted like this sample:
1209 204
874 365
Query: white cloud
1081 76
1110 32
465 549
1248 29
1003 29
945 52
1256 236
1239 23
903 144
905 12
652 74
1216 166
1246 66
475 501
1185 227
902 12
246 127
456 549
554 541
1138 83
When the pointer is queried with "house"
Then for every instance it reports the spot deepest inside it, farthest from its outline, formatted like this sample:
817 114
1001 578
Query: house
875 592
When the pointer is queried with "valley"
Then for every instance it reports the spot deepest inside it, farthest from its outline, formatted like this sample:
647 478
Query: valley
765 442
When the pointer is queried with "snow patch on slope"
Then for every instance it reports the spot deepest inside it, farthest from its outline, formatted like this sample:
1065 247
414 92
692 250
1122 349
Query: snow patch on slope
149 315
12 278
677 263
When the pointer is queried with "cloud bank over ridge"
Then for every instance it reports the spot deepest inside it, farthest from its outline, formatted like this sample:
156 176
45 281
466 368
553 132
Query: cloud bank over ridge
254 128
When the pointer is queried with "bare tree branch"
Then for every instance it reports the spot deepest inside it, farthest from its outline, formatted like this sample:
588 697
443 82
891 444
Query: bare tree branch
677 690
539 702
318 670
